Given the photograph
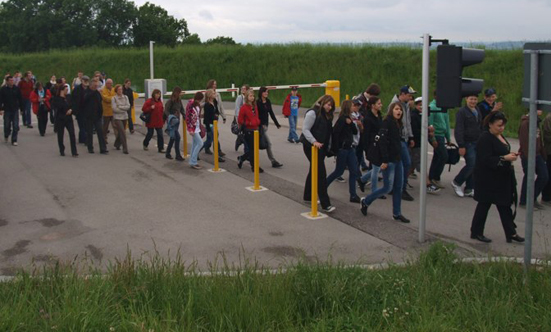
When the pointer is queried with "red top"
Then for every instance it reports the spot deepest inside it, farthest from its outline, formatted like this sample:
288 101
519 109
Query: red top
248 118
287 104
26 88
34 100
156 113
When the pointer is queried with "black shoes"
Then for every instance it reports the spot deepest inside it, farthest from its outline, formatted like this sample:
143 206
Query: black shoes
168 156
364 207
482 238
276 164
104 152
361 185
221 160
260 170
221 154
239 162
208 151
355 199
516 238
406 196
179 158
401 218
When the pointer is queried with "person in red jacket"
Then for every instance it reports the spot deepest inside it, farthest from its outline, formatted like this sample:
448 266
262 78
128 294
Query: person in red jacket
26 86
154 106
248 120
290 110
40 99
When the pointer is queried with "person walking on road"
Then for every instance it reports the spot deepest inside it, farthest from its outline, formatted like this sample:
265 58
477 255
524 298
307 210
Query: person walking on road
440 121
494 179
128 92
239 101
120 106
11 102
372 121
249 122
344 147
26 86
389 145
264 107
193 121
317 130
290 110
212 84
211 114
541 167
40 99
64 120
107 94
76 104
468 127
173 112
93 113
154 106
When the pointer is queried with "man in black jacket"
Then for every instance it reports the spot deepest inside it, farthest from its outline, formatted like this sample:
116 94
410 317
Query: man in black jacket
76 103
93 114
11 102
127 91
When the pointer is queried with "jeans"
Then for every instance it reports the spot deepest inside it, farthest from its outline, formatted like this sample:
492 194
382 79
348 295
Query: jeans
481 213
346 157
90 125
546 193
392 180
465 175
195 148
210 139
176 142
541 180
11 124
106 121
269 148
293 128
42 119
130 122
160 138
27 112
322 177
439 159
360 156
67 123
406 163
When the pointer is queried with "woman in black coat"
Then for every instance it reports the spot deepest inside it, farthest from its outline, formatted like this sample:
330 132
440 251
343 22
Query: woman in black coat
494 179
64 119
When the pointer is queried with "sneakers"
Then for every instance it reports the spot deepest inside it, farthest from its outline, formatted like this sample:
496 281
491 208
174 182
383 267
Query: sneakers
361 185
406 196
207 151
457 189
469 193
437 183
145 148
196 167
363 207
432 189
329 209
297 141
401 218
14 143
276 164
413 176
239 162
290 140
221 154
355 199
341 179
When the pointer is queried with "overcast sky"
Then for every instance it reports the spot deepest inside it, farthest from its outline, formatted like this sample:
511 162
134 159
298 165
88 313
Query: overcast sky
364 20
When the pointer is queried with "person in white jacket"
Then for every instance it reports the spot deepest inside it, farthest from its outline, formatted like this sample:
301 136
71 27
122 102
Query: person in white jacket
121 105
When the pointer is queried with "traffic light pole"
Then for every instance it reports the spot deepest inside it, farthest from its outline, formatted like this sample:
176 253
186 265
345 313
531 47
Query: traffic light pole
424 138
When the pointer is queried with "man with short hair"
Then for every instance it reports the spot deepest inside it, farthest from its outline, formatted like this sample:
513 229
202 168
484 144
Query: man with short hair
11 102
440 121
468 128
408 141
127 91
76 104
107 94
93 112
489 103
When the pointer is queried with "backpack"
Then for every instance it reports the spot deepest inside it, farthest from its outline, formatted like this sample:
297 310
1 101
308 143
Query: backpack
374 154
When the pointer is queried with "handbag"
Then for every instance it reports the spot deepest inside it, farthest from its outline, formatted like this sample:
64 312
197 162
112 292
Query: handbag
145 117
374 154
235 127
203 131
262 142
453 155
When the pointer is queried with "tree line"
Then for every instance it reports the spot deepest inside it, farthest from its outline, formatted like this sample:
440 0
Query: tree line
41 25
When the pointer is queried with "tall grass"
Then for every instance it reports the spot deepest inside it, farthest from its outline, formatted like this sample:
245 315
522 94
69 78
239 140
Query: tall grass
431 294
355 66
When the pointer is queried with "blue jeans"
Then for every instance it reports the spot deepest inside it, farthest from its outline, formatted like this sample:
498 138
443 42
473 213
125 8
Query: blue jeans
373 175
293 128
176 142
11 124
439 159
346 157
465 175
27 112
392 180
360 156
195 148
406 162
541 180
210 137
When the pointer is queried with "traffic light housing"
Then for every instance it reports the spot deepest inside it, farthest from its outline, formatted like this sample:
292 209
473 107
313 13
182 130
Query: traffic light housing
451 86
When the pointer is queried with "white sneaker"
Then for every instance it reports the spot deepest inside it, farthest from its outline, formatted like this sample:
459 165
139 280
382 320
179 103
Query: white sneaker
458 190
329 209
14 143
469 193
432 189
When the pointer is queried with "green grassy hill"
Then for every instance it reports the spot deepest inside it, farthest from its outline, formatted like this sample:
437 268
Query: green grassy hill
355 66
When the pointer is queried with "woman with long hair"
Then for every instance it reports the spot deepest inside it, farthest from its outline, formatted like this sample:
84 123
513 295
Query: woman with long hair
389 144
343 147
211 115
264 107
64 120
372 122
212 84
154 106
40 99
173 111
494 179
249 121
120 105
316 131
193 121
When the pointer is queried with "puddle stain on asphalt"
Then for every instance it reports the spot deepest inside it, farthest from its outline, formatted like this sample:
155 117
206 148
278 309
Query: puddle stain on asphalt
95 252
50 222
284 251
17 249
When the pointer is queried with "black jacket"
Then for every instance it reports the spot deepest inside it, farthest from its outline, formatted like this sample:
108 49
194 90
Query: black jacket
76 99
416 126
263 110
11 99
372 125
391 143
61 105
130 94
211 114
343 135
92 105
494 180
468 127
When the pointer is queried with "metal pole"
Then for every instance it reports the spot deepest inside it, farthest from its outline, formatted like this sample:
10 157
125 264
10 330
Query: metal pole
256 160
531 158
151 72
424 139
314 174
216 161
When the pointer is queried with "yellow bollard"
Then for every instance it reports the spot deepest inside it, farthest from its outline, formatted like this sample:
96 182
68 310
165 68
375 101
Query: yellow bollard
184 138
347 97
333 89
216 168
256 161
314 172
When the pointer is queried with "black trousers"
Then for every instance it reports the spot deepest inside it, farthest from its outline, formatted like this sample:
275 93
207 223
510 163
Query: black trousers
98 125
160 138
42 119
81 121
61 126
481 214
249 153
546 193
322 177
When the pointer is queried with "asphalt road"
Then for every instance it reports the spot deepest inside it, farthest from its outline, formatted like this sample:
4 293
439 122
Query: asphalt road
98 208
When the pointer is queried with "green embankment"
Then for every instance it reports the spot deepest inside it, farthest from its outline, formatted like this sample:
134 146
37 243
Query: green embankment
355 66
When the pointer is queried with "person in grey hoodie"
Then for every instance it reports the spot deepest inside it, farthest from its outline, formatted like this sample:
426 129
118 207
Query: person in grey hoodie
405 96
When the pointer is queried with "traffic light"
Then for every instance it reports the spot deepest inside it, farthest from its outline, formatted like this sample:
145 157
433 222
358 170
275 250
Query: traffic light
451 86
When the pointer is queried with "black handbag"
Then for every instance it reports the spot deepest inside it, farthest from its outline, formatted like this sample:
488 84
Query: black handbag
145 117
453 155
263 142
374 154
235 127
